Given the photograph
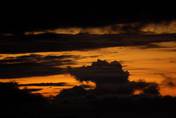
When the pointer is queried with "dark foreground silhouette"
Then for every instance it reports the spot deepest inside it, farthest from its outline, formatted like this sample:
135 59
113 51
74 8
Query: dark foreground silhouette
116 99
78 102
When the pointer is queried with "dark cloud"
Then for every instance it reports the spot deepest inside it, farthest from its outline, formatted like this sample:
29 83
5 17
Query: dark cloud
76 91
149 89
148 46
45 84
53 42
168 81
33 65
21 103
110 78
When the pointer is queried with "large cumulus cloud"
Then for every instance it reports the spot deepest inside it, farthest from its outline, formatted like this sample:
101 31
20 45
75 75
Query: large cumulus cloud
110 78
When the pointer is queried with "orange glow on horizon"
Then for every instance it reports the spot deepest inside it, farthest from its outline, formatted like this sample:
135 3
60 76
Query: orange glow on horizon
147 64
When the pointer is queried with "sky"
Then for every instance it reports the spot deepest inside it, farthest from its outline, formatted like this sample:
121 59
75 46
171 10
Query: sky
129 18
86 57
33 16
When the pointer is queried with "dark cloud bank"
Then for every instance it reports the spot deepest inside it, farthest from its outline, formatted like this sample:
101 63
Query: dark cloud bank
53 42
110 78
112 98
34 18
33 65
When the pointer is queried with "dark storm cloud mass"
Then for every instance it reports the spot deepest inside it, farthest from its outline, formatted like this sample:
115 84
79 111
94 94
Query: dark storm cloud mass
33 65
45 84
56 42
110 78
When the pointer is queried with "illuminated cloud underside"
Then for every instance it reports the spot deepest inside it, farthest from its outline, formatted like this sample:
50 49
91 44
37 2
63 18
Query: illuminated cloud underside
160 28
153 28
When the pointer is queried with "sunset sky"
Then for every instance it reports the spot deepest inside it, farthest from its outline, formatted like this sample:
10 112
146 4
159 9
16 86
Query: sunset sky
87 59
34 35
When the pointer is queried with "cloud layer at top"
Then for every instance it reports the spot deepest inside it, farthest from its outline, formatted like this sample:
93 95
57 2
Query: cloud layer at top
160 28
164 27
